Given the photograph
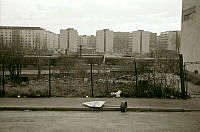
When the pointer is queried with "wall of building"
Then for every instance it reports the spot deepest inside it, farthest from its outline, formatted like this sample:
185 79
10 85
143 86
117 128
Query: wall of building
109 41
100 41
92 41
169 40
104 41
139 41
134 41
120 42
63 39
69 39
84 40
73 40
28 38
146 37
190 36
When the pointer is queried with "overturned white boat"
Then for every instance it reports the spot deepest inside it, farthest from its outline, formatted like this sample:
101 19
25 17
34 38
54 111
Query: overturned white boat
94 104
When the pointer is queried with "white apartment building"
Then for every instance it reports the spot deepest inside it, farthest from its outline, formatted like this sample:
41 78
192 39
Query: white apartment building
139 41
104 41
169 41
52 39
190 33
69 40
28 38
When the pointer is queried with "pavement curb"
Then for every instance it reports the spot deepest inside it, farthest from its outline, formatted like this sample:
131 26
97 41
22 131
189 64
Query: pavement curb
129 109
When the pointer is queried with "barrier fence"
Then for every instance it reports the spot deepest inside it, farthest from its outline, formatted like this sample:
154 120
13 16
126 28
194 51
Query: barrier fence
101 77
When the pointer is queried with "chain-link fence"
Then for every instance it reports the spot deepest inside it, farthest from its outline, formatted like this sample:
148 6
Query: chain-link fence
95 76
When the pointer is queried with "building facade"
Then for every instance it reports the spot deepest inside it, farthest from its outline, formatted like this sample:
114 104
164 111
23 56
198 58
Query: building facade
120 42
92 41
28 38
87 43
169 40
69 40
84 40
139 42
153 42
104 41
190 33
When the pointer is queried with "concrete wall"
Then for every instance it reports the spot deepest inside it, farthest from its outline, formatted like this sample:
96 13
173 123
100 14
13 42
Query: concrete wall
190 37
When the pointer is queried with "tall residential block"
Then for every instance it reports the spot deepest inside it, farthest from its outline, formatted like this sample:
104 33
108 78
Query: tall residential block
190 33
83 40
169 40
139 42
104 41
92 41
28 38
120 42
69 40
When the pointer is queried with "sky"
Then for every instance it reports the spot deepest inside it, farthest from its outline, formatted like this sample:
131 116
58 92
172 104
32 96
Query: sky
87 16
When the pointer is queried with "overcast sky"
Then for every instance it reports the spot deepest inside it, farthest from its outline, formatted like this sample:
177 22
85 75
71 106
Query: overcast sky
87 16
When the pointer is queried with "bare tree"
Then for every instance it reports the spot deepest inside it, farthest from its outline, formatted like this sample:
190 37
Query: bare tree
13 60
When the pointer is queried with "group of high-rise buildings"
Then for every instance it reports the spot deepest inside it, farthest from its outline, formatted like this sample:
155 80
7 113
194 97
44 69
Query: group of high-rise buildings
109 42
105 41
28 38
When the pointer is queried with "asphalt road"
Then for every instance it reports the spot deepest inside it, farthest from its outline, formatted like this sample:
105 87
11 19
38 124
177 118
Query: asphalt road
31 121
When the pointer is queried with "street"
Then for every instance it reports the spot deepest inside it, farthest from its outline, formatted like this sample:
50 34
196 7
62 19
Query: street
12 121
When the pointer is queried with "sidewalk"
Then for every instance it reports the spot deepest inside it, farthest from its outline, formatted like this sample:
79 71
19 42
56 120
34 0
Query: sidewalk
112 104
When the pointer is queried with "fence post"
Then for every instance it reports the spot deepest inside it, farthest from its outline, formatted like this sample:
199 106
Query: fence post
3 68
49 79
182 76
136 78
185 79
91 77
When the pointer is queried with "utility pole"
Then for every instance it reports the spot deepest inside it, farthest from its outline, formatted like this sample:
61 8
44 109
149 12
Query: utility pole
91 74
182 76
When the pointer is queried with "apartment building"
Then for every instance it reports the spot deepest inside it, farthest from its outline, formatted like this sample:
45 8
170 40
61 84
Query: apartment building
190 33
104 41
120 42
169 40
83 40
69 40
92 41
28 38
139 42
